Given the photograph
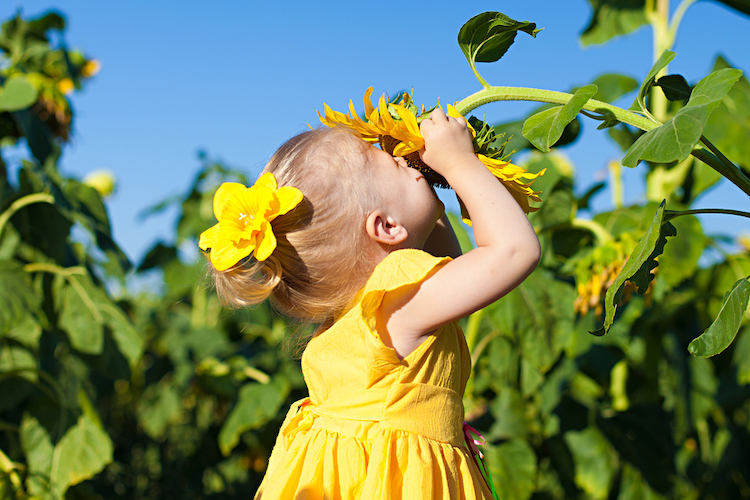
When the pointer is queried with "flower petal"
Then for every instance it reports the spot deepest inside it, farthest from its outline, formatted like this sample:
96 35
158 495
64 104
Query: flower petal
226 254
265 243
289 197
208 237
225 192
267 180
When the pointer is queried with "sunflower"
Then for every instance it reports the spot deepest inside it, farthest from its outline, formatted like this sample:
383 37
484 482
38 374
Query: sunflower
395 127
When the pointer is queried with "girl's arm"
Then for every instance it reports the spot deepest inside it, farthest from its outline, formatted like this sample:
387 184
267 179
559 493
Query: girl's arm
507 246
442 242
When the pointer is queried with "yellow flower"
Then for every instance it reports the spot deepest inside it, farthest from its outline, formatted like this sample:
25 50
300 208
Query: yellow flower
245 216
91 68
65 86
401 137
101 180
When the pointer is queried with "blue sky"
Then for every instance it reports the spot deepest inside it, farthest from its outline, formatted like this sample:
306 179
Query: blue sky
236 79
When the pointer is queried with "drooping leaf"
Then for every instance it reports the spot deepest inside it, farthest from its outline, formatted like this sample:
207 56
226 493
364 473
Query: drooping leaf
675 139
639 265
545 128
613 18
722 331
675 87
17 93
129 341
487 36
256 405
17 297
513 468
639 104
83 452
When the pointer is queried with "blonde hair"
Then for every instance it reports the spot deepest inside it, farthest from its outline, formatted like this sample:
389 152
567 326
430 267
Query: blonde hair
323 254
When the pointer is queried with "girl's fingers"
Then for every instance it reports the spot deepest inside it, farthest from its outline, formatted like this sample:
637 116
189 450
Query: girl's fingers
438 114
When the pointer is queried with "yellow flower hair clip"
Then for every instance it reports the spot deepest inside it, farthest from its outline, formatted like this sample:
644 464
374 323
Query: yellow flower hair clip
245 216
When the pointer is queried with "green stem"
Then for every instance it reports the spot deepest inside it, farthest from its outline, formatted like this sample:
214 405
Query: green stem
671 214
721 164
494 94
717 161
22 202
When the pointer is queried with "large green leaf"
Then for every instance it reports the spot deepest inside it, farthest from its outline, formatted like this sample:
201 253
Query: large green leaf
17 297
38 449
129 340
79 315
722 331
19 360
639 265
675 139
594 461
728 127
513 468
613 18
545 128
17 93
741 356
83 452
639 104
487 36
256 405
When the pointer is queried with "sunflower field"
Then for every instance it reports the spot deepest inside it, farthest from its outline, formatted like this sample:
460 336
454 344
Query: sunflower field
108 393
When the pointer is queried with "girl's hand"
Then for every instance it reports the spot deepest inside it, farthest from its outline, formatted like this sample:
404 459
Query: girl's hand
448 142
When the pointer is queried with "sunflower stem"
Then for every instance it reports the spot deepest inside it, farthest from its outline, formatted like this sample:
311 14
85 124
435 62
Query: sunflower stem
494 94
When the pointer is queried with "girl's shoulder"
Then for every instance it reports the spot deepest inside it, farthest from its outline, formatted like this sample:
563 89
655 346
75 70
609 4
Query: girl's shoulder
403 267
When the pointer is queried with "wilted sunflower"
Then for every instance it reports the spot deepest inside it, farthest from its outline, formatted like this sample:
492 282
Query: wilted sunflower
395 127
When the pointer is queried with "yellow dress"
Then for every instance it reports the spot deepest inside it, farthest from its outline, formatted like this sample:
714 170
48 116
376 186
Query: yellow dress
375 426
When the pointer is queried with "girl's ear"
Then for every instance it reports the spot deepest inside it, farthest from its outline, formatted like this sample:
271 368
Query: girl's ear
385 229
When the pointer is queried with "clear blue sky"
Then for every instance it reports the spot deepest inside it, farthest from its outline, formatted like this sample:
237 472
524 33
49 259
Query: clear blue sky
238 78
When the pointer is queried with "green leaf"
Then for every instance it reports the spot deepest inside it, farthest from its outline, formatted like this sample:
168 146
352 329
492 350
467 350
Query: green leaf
639 104
510 421
17 94
256 405
679 262
594 457
722 331
545 128
639 265
159 406
14 358
675 139
80 316
38 449
487 36
675 87
612 86
129 341
741 356
742 6
17 297
513 469
83 452
612 18
728 127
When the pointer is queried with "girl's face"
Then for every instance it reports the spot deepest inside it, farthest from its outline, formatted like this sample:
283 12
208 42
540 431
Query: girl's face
406 195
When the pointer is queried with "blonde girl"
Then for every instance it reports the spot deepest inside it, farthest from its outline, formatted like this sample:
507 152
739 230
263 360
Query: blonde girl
339 233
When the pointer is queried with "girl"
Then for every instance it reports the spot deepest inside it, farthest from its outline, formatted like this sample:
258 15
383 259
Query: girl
342 243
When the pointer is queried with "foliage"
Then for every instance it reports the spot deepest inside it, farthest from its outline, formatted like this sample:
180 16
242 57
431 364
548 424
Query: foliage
166 394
